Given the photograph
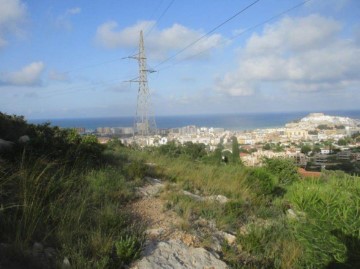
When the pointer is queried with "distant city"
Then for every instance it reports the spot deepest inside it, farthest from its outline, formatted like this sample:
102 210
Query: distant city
316 141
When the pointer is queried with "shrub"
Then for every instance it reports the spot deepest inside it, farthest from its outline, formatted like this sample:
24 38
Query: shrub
261 181
284 168
331 227
272 244
127 249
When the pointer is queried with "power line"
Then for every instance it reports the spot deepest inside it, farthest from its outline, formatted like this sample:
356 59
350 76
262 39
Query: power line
71 90
156 9
92 65
117 59
58 92
133 78
159 18
153 26
211 31
240 34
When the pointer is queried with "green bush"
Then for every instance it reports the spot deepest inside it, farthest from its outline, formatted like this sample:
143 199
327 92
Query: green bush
284 168
54 143
56 190
261 181
330 229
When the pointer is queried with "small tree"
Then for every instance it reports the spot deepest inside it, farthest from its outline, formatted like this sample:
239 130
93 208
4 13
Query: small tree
316 149
235 151
267 146
342 142
194 151
218 153
305 149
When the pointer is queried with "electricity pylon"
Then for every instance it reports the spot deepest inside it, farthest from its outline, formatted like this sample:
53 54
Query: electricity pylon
144 122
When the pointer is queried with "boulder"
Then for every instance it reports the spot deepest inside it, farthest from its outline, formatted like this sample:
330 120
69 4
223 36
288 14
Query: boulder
174 254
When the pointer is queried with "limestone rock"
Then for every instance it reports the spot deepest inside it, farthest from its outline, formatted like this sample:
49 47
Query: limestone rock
152 189
229 238
291 214
66 264
193 196
218 198
174 254
155 232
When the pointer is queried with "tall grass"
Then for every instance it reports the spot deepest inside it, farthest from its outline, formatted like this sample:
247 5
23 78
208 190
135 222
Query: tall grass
325 232
206 178
79 212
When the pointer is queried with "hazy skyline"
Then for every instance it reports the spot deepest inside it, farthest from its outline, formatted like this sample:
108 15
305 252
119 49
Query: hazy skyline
61 59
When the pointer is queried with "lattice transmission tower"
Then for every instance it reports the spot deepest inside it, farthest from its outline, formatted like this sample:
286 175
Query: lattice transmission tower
144 122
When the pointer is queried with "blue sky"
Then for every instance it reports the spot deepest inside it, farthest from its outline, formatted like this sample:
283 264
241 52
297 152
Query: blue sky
64 59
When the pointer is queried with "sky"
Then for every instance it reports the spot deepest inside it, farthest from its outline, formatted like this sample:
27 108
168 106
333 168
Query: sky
68 59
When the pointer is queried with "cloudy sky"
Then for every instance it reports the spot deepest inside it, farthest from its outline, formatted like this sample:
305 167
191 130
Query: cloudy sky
64 59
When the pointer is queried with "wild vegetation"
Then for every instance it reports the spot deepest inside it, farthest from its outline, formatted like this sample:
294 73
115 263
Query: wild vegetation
67 194
279 219
70 194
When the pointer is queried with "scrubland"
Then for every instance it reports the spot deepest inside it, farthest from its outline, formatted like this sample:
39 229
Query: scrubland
70 194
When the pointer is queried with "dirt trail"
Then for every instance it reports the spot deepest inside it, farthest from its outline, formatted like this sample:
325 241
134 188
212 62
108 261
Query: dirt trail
162 224
167 246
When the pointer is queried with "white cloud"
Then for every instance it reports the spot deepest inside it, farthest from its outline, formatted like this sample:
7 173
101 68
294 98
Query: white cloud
29 75
12 15
159 43
302 54
64 20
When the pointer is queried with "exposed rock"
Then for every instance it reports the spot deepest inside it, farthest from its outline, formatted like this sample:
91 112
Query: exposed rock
152 189
155 232
218 198
216 243
291 214
193 196
65 264
229 238
174 254
188 239
244 230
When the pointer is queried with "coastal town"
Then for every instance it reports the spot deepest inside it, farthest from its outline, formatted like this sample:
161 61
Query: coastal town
315 142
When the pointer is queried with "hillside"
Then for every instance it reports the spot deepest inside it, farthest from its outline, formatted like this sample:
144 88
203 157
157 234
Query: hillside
68 202
313 120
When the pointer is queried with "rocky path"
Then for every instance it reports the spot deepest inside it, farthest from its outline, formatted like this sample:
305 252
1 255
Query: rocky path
167 245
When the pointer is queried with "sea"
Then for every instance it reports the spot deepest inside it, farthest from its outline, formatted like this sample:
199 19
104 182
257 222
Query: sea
234 122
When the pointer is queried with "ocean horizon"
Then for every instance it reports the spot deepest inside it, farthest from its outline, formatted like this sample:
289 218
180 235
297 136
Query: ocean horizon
234 122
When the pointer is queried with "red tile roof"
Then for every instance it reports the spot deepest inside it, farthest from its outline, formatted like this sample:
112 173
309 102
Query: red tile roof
305 173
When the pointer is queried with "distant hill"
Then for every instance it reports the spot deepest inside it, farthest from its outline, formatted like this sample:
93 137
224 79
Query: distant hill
314 120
